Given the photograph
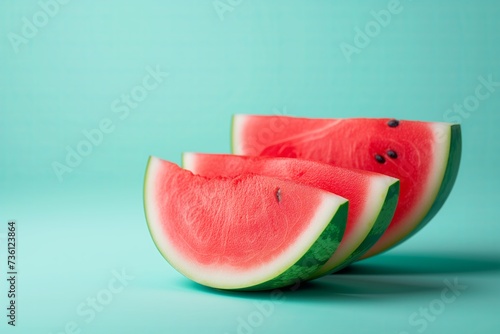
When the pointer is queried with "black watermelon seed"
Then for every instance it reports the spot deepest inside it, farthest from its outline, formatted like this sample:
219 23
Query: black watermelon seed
393 123
380 159
392 154
278 195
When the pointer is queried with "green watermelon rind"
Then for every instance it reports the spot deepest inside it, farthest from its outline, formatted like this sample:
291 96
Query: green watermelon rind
451 172
313 258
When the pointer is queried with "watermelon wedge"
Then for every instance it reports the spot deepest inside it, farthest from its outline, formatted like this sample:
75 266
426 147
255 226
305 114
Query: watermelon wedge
424 156
249 232
372 196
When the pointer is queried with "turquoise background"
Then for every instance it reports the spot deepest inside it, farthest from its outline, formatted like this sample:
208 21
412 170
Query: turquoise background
256 57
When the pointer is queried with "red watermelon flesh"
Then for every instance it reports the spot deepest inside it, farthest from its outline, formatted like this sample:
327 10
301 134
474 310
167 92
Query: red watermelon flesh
424 156
372 196
249 232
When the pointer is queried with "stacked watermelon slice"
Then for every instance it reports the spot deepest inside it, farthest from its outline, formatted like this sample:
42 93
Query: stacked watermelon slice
299 198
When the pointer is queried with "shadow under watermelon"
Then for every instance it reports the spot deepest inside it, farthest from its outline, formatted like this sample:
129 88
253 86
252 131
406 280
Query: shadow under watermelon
386 277
424 264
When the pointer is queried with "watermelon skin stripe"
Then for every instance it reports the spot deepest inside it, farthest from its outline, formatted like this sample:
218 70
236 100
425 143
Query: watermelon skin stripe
314 258
449 178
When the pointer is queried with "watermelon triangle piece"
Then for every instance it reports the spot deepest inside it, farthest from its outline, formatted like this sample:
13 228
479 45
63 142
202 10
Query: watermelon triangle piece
372 196
249 233
424 156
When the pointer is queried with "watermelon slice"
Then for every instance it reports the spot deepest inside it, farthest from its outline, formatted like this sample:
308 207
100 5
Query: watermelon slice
424 156
372 196
249 232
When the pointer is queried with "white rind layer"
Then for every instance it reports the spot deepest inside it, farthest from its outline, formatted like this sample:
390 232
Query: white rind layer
238 122
189 161
228 277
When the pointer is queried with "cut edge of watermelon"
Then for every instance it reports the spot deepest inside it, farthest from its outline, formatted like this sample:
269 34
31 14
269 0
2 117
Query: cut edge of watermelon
377 215
445 169
311 251
371 224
